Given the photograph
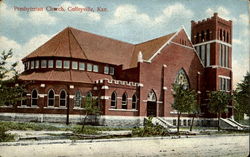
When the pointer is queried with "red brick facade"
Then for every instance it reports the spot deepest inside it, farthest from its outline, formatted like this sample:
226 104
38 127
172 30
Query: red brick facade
75 61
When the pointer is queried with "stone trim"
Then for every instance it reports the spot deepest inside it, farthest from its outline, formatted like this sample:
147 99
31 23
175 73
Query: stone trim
182 45
214 41
124 110
226 77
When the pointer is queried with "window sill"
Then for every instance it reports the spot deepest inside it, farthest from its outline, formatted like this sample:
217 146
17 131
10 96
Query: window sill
123 110
10 106
78 108
25 106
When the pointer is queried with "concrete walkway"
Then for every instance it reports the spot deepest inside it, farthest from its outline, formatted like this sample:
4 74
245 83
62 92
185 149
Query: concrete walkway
225 145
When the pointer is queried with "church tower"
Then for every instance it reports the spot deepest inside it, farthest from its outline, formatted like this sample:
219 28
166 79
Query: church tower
212 39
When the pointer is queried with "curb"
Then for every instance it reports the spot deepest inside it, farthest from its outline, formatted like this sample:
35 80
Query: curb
109 140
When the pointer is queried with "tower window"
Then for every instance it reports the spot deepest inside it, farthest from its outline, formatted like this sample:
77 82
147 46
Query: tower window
66 64
208 35
32 65
89 67
81 66
50 64
74 65
58 63
106 70
37 64
111 70
95 68
44 64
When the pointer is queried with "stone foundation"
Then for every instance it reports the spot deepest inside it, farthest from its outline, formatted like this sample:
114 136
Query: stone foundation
111 121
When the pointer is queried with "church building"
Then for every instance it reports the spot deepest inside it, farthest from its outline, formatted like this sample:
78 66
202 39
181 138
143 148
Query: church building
129 81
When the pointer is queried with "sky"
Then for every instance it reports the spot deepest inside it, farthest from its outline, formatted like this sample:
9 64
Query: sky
132 21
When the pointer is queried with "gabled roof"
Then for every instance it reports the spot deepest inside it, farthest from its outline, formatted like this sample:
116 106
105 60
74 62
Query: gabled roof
78 44
149 48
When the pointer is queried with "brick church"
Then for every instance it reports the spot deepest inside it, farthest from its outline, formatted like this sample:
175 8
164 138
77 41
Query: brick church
129 81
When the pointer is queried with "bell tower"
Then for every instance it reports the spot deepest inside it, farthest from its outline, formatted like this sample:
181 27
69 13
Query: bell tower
212 39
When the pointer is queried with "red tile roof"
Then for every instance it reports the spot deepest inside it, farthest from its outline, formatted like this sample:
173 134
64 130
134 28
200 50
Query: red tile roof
78 44
65 76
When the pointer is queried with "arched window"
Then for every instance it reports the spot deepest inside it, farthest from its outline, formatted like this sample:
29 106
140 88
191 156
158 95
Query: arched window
227 37
113 100
202 36
182 78
152 96
51 98
78 99
63 98
197 37
124 101
134 102
34 97
220 34
208 35
224 35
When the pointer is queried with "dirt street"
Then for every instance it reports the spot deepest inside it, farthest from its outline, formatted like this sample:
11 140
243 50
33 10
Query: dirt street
225 145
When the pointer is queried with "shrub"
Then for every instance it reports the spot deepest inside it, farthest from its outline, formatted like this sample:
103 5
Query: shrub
150 129
5 137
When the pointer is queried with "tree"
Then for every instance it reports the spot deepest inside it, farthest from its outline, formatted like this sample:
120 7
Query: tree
218 102
194 109
242 95
184 99
90 108
10 92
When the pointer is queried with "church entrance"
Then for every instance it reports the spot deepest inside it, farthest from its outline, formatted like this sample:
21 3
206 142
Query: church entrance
151 108
151 104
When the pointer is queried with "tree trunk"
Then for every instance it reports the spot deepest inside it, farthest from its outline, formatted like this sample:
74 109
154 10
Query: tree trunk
178 122
219 122
84 120
192 123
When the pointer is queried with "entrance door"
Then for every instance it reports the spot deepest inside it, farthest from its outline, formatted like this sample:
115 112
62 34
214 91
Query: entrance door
151 108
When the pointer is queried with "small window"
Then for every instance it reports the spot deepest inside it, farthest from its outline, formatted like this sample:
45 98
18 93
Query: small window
28 65
50 64
95 68
44 64
58 63
106 70
37 64
81 66
111 70
66 64
32 65
89 67
74 65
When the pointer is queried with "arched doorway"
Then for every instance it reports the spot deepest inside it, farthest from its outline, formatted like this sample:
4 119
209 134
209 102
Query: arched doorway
151 104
